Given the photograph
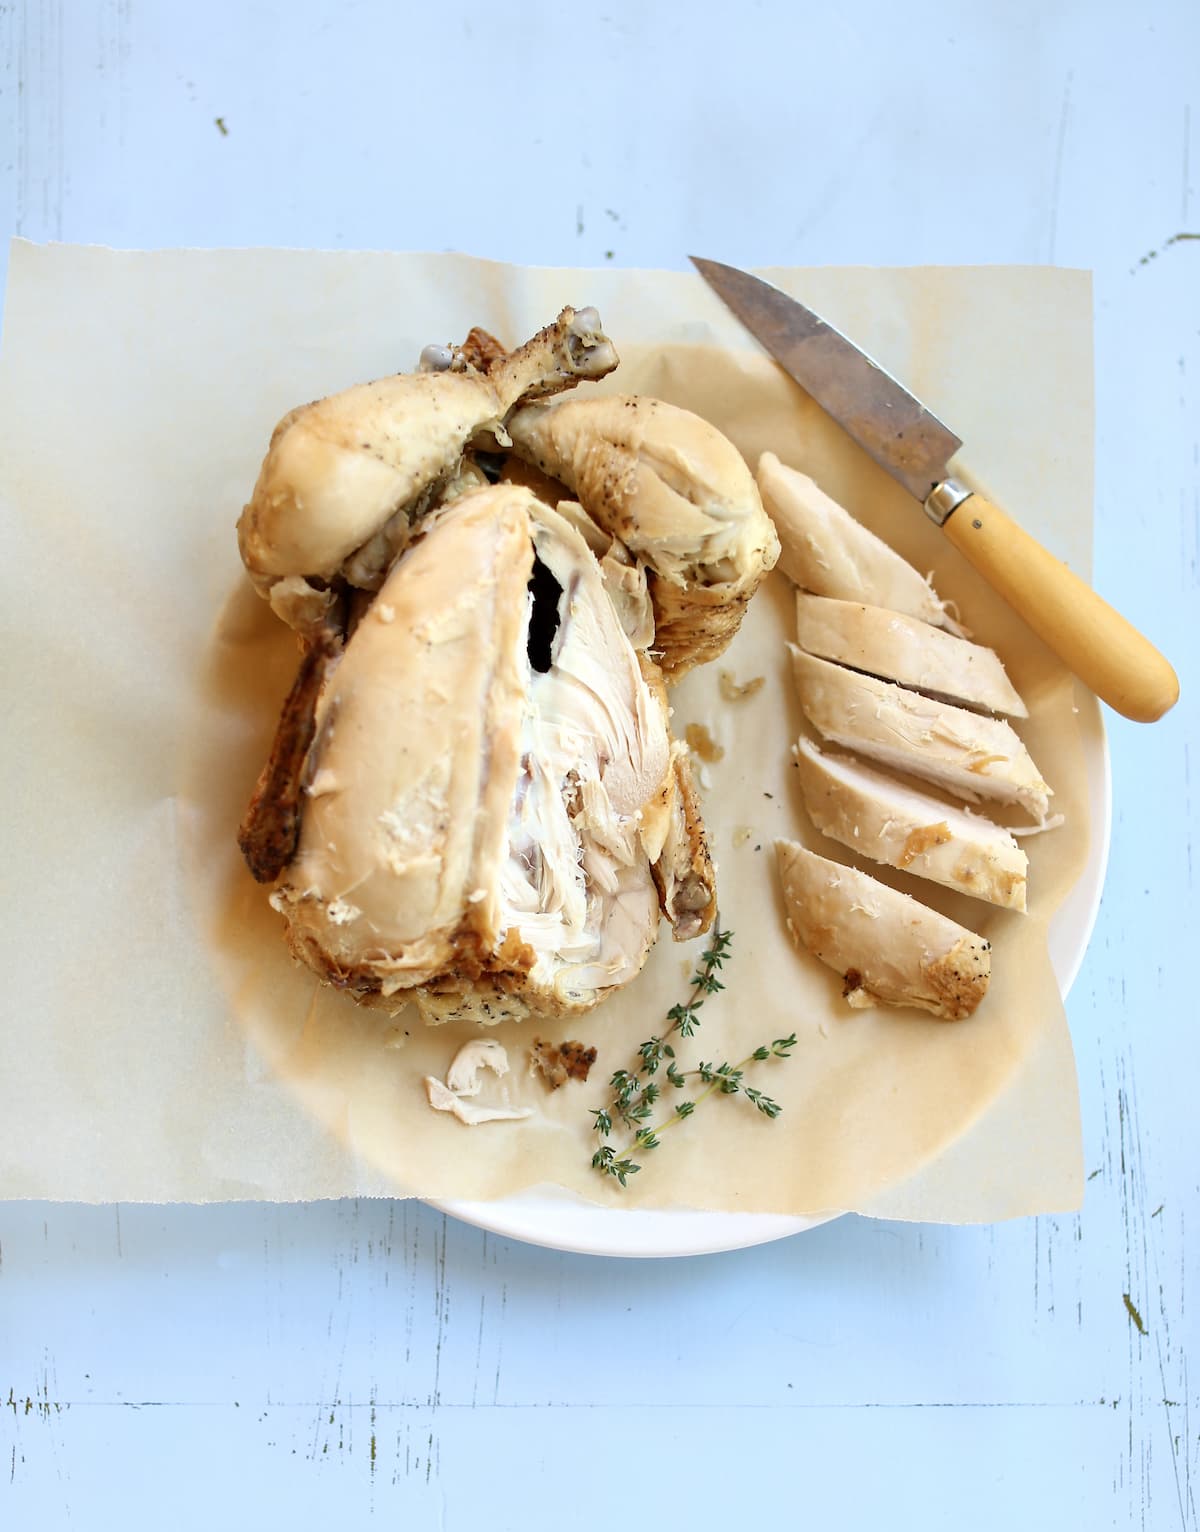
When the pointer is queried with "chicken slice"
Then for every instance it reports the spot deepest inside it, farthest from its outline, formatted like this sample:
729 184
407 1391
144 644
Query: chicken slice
676 494
971 756
346 478
492 755
826 551
470 1113
899 648
886 946
899 826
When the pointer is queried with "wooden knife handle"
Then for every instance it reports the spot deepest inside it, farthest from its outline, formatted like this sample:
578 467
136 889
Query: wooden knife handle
1107 653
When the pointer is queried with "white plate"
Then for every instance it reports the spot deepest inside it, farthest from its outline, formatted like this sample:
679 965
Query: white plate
560 1220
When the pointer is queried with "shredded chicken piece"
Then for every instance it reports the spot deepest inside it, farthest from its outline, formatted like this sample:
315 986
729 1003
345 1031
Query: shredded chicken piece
464 1081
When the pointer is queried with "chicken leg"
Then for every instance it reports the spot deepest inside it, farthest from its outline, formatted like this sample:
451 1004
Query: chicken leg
345 478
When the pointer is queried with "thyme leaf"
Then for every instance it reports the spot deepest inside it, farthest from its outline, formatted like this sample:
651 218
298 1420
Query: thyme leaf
634 1092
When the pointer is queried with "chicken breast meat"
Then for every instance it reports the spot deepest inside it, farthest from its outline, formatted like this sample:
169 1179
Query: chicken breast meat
887 947
899 826
968 755
828 552
903 649
493 799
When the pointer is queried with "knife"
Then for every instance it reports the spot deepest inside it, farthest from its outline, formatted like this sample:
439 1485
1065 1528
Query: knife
1105 651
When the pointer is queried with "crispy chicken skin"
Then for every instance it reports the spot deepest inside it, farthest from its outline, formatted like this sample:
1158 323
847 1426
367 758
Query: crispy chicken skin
826 551
482 350
684 873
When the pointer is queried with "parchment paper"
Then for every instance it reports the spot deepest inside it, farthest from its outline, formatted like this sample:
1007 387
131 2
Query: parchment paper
159 1044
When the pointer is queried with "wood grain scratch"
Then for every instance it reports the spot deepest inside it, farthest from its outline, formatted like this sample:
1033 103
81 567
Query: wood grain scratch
1059 147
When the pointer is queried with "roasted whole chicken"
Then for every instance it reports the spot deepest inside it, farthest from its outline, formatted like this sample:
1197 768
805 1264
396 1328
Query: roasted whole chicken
473 799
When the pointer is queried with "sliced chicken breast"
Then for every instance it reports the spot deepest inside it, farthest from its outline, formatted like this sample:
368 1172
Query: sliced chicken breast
897 825
971 756
886 946
904 649
825 550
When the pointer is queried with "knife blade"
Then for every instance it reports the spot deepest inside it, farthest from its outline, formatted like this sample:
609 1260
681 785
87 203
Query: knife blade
907 440
880 414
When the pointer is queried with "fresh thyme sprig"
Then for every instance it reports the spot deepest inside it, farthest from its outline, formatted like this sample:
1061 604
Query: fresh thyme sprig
635 1092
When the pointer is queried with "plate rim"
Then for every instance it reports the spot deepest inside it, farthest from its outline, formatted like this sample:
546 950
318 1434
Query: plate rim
588 1228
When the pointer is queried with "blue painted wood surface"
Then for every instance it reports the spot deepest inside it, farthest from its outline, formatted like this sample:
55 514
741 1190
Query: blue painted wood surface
317 1365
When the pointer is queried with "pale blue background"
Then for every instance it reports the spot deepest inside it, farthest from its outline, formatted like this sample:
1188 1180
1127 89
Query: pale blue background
306 1367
